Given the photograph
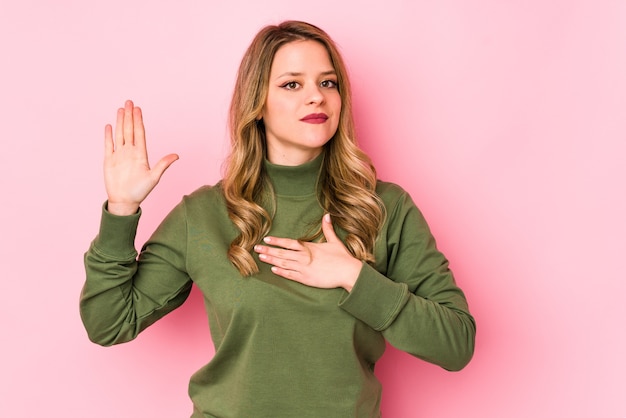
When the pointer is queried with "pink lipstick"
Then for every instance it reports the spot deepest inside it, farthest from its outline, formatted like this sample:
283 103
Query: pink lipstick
315 118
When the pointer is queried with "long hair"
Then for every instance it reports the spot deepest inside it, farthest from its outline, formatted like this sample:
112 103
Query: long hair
348 178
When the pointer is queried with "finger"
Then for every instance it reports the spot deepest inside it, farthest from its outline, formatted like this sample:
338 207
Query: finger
164 164
288 243
328 230
128 123
139 133
288 274
279 262
119 129
108 140
274 255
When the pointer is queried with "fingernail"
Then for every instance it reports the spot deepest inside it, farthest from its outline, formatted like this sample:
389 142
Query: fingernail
327 217
267 239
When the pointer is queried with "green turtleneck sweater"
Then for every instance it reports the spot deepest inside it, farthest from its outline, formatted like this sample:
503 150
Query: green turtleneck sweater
282 349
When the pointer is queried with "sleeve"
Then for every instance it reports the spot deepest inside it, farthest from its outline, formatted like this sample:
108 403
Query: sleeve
414 300
124 294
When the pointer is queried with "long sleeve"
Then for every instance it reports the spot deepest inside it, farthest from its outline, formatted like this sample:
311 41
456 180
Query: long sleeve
123 294
410 295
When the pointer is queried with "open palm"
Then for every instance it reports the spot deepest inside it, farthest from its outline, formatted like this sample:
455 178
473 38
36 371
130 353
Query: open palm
128 177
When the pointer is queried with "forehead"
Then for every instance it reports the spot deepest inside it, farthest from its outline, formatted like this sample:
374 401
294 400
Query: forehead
301 57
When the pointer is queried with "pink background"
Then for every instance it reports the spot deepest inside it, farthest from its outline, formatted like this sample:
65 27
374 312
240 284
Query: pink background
504 119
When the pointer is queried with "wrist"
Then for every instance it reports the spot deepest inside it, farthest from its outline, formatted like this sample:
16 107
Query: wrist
352 278
122 209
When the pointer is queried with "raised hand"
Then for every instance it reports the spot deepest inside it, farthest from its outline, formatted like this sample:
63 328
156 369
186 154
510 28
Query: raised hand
127 175
325 265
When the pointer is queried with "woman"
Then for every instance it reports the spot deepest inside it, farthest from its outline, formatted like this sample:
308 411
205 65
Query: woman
307 263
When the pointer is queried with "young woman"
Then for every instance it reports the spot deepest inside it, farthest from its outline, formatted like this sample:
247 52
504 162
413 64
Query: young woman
307 263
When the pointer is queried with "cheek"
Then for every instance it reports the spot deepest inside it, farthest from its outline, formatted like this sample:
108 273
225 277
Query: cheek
336 103
336 106
273 103
277 109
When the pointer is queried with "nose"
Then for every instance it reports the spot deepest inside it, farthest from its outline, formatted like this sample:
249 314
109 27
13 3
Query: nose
314 94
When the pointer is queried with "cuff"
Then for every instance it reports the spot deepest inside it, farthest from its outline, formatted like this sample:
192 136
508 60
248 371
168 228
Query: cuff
375 299
117 234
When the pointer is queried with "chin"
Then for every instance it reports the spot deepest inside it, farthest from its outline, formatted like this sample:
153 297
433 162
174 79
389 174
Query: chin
318 140
317 144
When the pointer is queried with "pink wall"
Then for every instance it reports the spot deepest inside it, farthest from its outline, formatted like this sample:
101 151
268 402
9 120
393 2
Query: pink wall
504 119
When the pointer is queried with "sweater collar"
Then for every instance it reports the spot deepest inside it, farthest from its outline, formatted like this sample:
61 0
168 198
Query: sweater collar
299 180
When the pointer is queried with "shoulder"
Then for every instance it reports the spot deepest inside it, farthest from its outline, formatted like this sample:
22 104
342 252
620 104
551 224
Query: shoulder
196 214
205 195
386 188
392 194
398 203
200 202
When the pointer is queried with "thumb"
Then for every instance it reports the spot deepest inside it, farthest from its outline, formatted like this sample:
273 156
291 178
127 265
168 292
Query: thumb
328 230
163 165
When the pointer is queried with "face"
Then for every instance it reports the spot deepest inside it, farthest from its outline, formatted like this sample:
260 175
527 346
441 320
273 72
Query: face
303 104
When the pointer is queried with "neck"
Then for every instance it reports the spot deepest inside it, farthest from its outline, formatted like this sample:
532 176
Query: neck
295 180
292 158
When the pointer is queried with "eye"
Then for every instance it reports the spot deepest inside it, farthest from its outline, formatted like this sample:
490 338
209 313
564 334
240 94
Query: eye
329 84
290 85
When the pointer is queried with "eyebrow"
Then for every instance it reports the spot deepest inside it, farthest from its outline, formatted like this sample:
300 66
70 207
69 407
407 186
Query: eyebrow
297 74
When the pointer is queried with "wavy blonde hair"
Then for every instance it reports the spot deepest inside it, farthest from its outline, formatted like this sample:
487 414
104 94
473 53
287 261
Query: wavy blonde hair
346 187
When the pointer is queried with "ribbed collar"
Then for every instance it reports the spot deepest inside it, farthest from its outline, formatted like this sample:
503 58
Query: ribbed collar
299 180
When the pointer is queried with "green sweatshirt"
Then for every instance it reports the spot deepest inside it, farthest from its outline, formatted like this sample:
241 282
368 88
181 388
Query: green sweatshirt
282 349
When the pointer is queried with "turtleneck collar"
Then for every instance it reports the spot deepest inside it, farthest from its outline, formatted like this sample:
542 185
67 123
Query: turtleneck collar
299 180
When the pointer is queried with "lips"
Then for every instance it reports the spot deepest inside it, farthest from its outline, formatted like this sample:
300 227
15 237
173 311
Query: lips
315 118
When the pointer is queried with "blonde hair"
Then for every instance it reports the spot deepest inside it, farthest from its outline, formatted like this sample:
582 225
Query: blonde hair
348 178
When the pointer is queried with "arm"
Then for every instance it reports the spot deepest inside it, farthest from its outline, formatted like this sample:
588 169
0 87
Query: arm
410 295
420 310
119 299
123 294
